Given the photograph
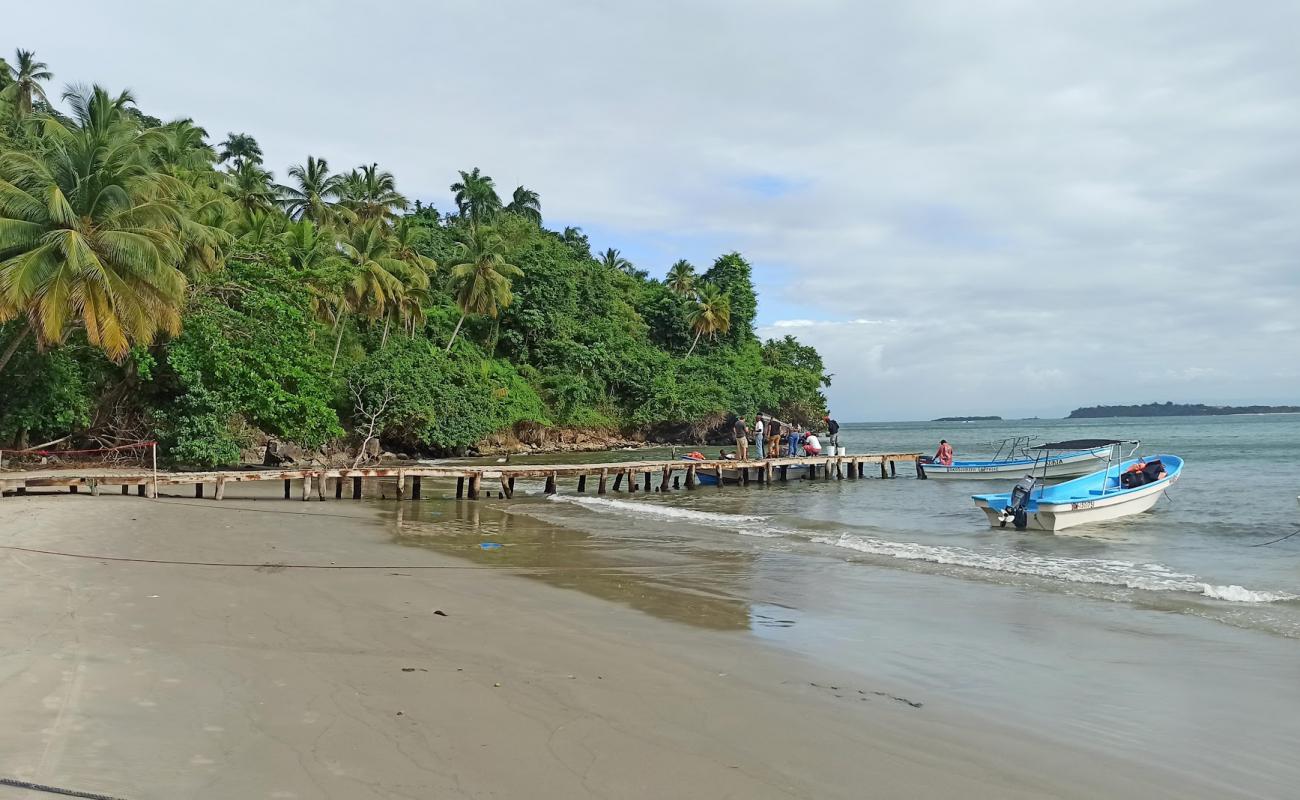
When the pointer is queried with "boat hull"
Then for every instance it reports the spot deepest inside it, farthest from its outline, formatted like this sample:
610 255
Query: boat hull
1065 465
1063 506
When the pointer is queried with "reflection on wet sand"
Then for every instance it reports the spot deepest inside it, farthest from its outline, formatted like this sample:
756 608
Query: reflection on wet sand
704 588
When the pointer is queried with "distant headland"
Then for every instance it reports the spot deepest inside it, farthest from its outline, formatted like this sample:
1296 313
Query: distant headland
966 419
1176 410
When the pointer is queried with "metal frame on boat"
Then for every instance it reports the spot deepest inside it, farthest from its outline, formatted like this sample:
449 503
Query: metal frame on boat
1098 497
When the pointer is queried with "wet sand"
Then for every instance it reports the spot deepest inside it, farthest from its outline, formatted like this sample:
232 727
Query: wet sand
149 680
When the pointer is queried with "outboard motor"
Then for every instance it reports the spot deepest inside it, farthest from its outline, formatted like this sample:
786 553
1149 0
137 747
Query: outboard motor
1016 509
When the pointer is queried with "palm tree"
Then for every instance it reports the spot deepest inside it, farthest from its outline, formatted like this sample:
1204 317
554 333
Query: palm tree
89 233
183 146
612 259
381 278
240 148
527 204
476 197
372 195
24 85
681 278
313 197
711 314
251 187
481 276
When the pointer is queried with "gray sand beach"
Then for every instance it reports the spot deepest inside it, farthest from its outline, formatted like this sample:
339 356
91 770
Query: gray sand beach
430 675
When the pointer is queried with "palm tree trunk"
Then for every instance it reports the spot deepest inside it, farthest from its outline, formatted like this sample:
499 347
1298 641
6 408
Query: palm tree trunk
13 347
384 341
453 333
697 341
338 342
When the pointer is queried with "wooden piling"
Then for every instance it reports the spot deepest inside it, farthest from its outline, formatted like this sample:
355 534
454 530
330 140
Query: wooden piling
220 492
338 488
126 489
198 490
663 484
287 491
460 487
550 483
717 473
618 479
785 475
582 484
690 477
506 488
893 473
322 482
882 469
401 484
474 479
415 487
356 488
862 467
600 488
139 490
306 487
647 480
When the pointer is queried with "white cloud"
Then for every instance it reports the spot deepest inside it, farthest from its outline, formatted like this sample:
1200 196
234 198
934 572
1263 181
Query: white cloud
1102 193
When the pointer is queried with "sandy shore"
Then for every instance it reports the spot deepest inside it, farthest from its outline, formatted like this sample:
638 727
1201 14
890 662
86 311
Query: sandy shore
148 680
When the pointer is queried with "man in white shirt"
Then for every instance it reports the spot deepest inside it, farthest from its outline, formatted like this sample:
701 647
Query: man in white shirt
758 437
812 446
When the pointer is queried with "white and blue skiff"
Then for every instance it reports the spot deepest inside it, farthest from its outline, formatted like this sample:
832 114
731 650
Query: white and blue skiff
1019 460
1098 497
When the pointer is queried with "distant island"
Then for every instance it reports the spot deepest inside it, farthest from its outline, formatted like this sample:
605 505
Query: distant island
966 419
1176 410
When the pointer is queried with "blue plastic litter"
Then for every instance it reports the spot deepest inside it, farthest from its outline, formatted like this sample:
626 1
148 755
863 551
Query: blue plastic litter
490 546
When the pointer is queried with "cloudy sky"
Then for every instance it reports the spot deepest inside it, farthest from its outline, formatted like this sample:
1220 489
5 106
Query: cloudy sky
1001 207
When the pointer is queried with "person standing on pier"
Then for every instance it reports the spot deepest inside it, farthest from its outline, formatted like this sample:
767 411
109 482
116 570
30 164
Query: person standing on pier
832 432
774 437
742 438
759 428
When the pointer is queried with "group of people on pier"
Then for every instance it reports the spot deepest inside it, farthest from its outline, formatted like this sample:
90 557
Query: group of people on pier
774 438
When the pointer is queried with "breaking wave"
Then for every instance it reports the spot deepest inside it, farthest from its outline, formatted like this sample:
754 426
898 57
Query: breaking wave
1111 572
658 510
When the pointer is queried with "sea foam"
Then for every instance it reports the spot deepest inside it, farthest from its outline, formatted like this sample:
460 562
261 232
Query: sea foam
1110 572
659 510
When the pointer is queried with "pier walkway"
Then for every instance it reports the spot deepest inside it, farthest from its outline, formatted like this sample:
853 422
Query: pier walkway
471 480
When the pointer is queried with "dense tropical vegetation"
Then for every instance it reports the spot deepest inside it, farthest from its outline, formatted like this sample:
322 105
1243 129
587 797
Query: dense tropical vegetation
153 284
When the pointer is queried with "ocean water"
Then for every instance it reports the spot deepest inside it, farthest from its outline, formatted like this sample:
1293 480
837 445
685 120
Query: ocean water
1166 636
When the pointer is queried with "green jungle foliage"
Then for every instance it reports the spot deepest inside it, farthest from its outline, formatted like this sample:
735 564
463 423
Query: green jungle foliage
154 284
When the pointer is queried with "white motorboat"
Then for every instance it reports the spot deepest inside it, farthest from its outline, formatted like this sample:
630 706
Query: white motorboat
1014 457
1103 496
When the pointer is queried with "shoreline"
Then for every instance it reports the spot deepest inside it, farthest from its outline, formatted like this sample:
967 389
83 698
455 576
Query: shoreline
155 680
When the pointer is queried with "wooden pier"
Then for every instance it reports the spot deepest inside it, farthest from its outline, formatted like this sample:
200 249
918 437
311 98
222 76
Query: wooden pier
473 481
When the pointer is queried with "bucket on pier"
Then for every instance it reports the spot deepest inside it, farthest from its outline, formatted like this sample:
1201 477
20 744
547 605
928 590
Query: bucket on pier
843 451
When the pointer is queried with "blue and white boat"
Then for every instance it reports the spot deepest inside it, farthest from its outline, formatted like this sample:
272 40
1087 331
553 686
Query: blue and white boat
1019 459
1099 497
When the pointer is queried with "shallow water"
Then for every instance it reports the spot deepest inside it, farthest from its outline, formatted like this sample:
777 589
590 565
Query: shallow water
1163 635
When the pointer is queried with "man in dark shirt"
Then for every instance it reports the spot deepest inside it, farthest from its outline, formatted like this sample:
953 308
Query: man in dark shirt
742 438
833 432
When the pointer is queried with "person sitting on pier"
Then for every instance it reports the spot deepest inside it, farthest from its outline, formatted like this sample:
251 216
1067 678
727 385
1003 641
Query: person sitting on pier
811 445
944 454
724 455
